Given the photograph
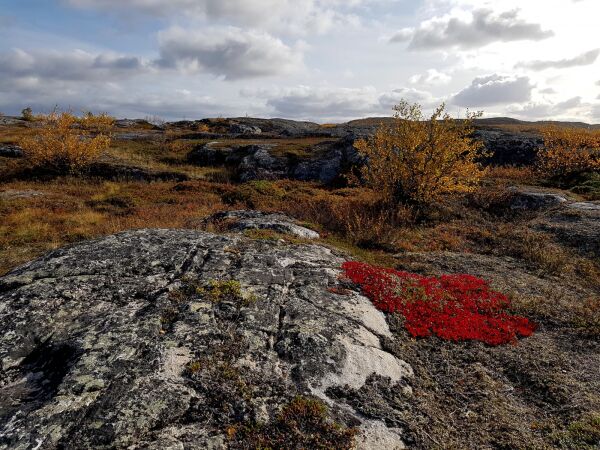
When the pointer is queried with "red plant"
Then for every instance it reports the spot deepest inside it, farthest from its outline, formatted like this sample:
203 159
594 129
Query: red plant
453 307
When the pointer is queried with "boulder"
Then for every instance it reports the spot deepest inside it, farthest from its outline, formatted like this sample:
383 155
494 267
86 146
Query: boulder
527 200
258 220
260 164
11 151
208 155
180 339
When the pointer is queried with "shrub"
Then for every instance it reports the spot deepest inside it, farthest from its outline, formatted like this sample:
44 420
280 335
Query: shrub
65 143
414 160
568 152
453 307
27 114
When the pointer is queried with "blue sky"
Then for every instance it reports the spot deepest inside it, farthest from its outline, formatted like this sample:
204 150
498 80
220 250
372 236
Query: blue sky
323 60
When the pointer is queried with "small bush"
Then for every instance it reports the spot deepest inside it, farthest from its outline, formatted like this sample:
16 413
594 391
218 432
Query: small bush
453 307
568 152
417 160
27 114
65 143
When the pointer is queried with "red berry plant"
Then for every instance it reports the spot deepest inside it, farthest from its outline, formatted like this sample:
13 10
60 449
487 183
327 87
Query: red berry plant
453 307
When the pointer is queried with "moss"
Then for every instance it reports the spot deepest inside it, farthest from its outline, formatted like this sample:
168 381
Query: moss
219 291
302 423
583 434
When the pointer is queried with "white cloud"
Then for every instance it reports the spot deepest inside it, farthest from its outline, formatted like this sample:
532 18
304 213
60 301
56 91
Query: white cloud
470 30
541 110
229 52
584 59
76 65
432 78
494 90
330 103
290 16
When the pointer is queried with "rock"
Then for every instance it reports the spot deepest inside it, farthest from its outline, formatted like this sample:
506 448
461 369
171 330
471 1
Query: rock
113 171
257 220
11 194
577 225
260 164
240 128
585 206
13 120
135 123
509 148
125 342
528 200
207 155
11 151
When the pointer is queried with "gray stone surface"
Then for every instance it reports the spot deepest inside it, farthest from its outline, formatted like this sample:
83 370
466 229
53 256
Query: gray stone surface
257 220
96 339
529 200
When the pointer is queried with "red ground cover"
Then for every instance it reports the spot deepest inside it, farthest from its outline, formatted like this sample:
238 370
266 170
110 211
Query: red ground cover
453 307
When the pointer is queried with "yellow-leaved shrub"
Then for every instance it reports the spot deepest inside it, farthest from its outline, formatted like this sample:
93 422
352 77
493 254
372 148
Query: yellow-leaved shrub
415 160
66 143
568 151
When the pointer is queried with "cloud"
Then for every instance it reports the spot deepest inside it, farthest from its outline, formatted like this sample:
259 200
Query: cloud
538 110
75 65
389 99
336 103
547 91
494 90
479 28
228 52
584 59
330 103
432 78
291 16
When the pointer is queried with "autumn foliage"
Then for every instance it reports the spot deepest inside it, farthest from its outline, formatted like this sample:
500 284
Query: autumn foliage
453 307
417 160
569 151
66 143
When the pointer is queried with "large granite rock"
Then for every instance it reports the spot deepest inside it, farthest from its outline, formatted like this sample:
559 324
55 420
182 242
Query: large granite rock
127 342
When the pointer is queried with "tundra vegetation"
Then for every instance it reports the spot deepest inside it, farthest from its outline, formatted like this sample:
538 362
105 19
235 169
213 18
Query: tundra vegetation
426 205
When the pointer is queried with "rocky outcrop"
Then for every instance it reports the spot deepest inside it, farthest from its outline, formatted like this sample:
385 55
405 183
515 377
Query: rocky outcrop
328 161
509 148
176 339
576 225
258 220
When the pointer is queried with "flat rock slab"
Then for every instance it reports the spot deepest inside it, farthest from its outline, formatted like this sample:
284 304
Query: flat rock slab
11 194
98 341
257 220
528 200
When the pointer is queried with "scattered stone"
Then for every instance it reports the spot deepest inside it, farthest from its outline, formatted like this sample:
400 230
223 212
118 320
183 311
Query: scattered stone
172 338
256 220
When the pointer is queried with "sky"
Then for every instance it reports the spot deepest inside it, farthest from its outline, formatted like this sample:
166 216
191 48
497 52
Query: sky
319 60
